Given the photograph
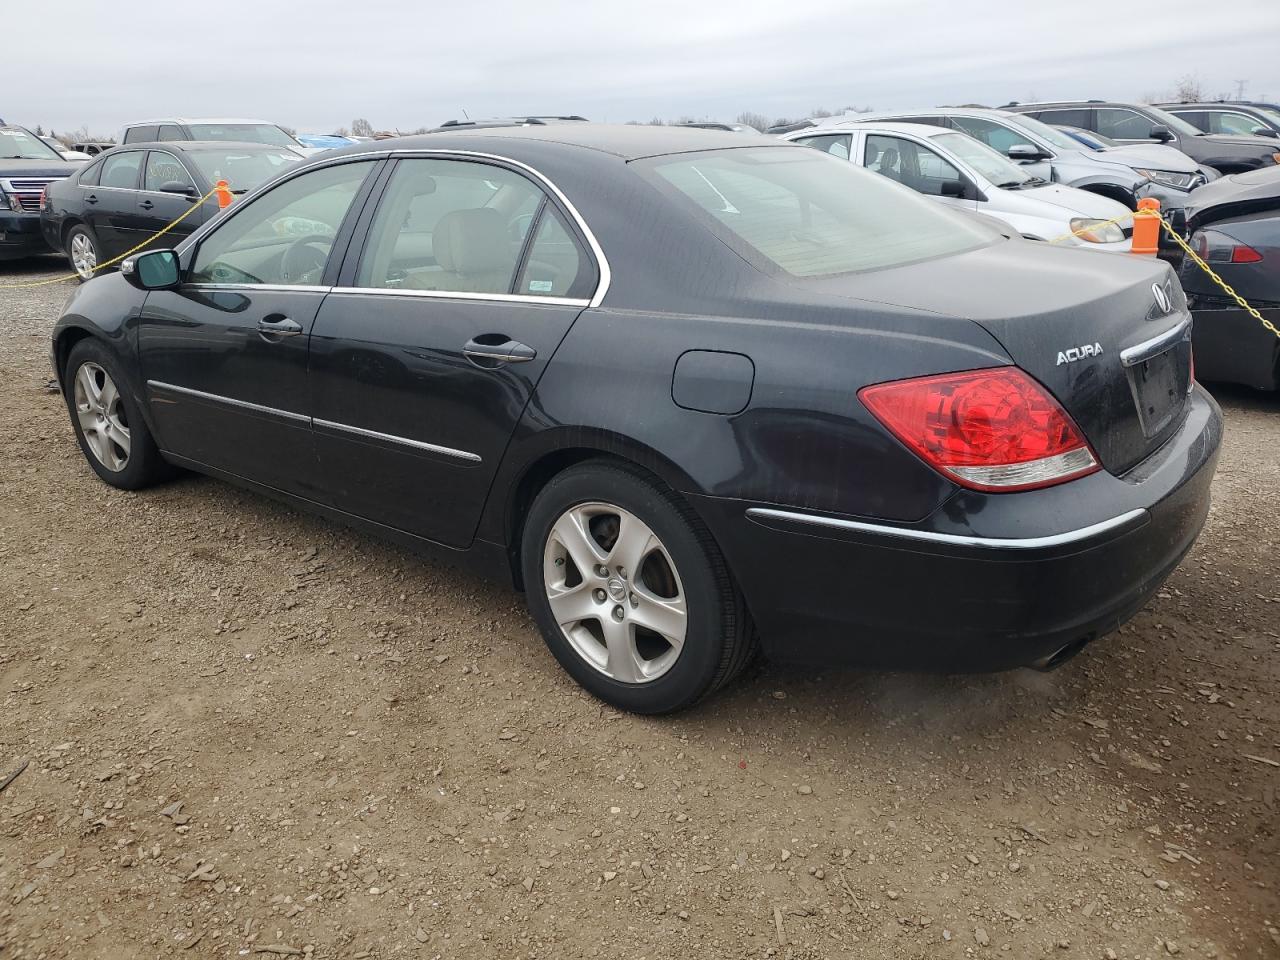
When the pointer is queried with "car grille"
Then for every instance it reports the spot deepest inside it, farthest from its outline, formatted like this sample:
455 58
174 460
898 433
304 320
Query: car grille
27 190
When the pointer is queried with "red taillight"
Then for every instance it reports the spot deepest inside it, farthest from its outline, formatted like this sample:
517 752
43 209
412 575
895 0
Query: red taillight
995 429
1243 254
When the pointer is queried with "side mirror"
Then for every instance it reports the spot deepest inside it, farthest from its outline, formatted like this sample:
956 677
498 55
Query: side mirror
1025 152
1265 132
177 186
1160 132
952 188
153 270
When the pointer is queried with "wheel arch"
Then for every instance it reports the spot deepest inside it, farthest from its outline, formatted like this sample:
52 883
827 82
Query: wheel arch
69 224
1112 191
505 517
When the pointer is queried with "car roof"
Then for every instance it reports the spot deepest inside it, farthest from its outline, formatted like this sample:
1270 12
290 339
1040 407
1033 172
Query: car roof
627 141
190 120
184 146
889 126
1015 106
886 116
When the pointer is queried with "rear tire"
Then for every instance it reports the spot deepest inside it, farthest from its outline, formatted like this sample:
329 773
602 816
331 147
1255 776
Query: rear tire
630 591
82 252
109 427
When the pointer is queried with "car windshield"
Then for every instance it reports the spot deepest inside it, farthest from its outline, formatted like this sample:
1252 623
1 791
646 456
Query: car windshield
813 215
244 169
19 144
1176 124
996 168
1042 130
245 132
1090 139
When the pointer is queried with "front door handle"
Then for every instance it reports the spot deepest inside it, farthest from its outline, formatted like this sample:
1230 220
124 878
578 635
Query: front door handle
91 199
277 327
146 204
490 349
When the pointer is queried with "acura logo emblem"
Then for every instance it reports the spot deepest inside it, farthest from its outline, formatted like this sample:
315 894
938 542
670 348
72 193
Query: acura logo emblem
1162 298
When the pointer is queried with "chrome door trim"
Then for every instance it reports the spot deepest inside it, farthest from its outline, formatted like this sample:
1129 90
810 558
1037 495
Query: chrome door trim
460 295
1139 352
260 287
229 401
405 441
953 539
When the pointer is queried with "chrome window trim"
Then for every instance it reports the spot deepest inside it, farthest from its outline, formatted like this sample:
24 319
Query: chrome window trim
466 455
953 539
1139 352
405 441
461 295
260 287
229 401
176 159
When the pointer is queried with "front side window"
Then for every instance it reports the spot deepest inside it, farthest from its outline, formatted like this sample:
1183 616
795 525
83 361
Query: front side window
164 168
909 163
286 235
995 135
836 144
1222 121
120 169
449 225
811 215
1123 124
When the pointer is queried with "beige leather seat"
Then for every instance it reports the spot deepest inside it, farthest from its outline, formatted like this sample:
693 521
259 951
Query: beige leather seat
473 253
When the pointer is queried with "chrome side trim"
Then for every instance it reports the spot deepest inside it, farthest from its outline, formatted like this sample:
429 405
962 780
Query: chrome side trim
229 401
602 262
1139 352
953 539
405 441
460 295
260 287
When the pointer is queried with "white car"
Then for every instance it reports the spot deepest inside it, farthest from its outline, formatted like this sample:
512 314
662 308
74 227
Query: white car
962 172
66 152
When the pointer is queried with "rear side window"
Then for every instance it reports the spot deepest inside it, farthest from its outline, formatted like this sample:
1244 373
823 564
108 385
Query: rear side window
450 225
811 215
835 144
555 265
89 175
140 134
120 169
1066 118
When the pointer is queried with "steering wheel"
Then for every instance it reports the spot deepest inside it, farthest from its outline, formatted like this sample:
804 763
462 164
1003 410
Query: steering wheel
301 260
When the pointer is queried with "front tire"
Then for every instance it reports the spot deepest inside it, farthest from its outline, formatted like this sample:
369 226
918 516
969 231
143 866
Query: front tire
82 252
631 593
109 427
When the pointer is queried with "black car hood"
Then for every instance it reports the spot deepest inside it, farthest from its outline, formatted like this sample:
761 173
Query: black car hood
37 168
1243 140
1233 195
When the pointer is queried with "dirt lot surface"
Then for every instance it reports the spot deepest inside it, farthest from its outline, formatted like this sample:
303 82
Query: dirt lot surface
252 733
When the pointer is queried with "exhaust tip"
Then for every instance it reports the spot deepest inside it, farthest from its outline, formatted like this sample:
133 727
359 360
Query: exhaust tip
1061 656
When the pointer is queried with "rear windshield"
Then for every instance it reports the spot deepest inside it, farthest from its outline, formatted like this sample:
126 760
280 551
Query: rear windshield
244 132
813 215
244 169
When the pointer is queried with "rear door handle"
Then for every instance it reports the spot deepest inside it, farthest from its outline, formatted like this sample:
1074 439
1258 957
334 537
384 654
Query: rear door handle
491 348
146 204
91 199
277 327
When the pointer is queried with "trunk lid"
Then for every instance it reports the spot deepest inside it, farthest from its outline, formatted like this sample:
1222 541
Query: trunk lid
1090 326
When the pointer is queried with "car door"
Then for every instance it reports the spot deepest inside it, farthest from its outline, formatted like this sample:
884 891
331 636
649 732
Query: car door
225 354
157 208
110 207
428 350
1124 125
917 166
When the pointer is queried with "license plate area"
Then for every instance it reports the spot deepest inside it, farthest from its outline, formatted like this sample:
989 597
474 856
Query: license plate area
1159 384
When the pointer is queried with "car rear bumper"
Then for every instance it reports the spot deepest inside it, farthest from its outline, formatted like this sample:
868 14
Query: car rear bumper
20 235
989 582
1233 347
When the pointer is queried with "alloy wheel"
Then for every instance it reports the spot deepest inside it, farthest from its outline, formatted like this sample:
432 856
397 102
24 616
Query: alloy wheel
84 256
615 592
100 410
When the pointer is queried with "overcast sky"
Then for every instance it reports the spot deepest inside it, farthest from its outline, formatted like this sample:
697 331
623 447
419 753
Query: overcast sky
316 64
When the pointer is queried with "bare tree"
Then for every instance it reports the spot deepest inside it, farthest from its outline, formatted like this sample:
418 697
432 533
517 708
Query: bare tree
361 127
1189 89
757 120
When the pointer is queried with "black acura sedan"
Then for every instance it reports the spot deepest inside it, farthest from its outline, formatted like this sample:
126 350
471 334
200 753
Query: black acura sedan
112 205
691 393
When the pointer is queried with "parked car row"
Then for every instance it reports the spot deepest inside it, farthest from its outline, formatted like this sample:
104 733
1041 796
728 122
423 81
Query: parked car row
682 387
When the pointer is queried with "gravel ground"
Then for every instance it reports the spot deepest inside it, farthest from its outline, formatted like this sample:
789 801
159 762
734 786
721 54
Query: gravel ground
254 733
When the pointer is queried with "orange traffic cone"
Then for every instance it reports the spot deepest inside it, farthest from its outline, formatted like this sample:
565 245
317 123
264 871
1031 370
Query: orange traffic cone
223 192
1146 227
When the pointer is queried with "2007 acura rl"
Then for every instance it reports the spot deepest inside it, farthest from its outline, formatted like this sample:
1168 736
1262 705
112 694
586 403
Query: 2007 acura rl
684 390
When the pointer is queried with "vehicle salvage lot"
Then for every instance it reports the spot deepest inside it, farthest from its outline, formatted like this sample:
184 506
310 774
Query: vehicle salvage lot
376 755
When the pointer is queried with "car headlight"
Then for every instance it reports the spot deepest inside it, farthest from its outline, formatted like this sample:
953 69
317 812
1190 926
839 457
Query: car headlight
1096 231
1168 178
